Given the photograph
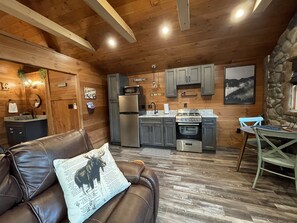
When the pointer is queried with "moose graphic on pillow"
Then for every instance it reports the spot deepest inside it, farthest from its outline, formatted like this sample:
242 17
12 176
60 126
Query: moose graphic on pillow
90 172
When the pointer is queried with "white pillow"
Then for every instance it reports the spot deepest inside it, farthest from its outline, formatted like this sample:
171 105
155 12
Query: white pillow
78 178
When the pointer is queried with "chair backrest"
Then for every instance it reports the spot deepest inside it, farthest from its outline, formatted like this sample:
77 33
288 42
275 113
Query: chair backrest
250 121
271 136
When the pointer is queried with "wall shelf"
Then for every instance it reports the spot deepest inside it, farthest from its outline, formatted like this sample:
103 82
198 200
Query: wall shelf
184 95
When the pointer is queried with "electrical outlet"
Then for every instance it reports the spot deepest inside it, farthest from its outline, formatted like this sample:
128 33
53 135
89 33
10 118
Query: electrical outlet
185 105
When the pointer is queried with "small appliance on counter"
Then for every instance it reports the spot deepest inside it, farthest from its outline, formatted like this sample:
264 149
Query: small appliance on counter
166 108
189 130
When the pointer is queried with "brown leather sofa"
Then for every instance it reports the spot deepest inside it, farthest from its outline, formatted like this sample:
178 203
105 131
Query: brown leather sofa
30 192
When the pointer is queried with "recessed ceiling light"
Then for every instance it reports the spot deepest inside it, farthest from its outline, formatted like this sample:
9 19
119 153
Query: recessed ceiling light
165 30
112 42
239 13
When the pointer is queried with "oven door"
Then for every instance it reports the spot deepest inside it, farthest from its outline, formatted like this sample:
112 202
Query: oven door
189 131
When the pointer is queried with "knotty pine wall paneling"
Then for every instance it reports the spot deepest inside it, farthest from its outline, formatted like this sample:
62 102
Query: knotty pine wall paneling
15 92
96 124
227 123
39 90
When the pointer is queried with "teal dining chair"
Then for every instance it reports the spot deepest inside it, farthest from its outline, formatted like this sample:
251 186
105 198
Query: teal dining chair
251 121
276 154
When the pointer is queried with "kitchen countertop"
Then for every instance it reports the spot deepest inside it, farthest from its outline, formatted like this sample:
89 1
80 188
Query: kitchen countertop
205 113
24 118
160 114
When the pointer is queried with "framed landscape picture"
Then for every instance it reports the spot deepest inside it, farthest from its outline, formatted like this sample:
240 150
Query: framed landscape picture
239 85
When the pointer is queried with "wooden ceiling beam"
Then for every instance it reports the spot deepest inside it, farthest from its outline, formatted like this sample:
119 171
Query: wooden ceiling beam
26 14
107 12
261 5
183 9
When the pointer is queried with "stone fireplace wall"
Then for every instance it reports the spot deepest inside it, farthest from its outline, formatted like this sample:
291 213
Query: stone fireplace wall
278 73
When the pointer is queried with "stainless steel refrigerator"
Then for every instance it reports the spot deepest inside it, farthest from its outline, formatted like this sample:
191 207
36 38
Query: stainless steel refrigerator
131 106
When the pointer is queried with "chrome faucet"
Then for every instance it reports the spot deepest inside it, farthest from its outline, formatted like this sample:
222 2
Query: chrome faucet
155 107
33 113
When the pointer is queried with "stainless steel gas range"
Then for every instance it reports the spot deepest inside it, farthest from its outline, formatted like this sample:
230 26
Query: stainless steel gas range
189 130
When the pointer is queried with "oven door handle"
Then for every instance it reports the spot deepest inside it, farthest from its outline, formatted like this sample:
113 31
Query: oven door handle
195 124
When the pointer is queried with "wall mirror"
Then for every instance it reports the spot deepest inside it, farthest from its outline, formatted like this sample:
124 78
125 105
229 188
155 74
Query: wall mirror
35 100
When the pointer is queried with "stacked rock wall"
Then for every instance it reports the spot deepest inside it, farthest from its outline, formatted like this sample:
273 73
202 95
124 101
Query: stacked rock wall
279 73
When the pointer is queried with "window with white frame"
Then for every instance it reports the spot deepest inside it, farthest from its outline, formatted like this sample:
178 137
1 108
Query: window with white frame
294 98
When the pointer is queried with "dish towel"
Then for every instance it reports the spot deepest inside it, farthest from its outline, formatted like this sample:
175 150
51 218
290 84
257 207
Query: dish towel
12 107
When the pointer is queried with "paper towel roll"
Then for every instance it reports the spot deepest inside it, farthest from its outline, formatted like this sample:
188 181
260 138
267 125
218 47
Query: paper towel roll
166 108
12 107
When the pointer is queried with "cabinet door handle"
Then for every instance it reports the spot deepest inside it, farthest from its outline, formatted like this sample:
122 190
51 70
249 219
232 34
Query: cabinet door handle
20 133
189 78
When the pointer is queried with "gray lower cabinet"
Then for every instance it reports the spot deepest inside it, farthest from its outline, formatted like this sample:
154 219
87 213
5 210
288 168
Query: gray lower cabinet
169 132
157 132
171 88
18 132
151 131
116 83
207 80
209 134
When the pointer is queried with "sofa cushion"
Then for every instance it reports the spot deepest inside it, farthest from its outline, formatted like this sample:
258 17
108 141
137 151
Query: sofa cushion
33 160
49 206
21 213
89 181
10 192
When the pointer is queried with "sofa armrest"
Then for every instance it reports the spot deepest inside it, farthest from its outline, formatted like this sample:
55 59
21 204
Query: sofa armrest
149 179
132 171
138 174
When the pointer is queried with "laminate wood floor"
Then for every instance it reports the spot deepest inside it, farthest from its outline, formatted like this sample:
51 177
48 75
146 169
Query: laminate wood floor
201 187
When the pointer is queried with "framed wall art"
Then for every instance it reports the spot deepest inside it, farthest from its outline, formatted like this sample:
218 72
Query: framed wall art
239 87
90 93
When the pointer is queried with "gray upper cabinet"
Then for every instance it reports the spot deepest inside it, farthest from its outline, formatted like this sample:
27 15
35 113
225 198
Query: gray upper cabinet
207 80
194 75
188 75
201 74
182 76
171 88
116 83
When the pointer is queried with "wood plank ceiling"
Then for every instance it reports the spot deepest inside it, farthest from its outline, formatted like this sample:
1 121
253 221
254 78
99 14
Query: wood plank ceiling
212 37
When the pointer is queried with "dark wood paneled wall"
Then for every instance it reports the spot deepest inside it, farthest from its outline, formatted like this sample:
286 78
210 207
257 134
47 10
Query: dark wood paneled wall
228 114
96 124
